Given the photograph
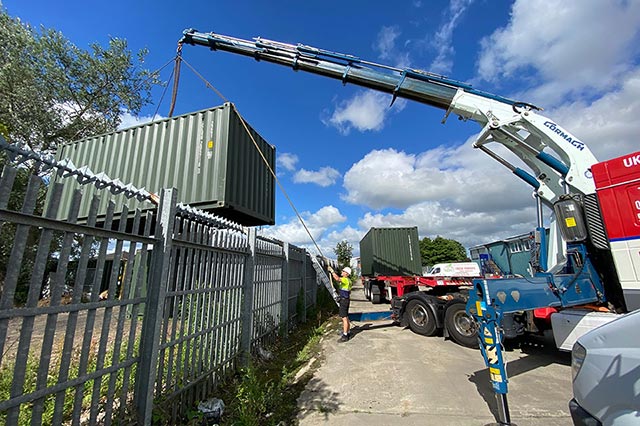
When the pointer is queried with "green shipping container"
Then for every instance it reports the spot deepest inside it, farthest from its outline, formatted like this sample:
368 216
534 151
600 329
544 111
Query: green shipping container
207 155
391 251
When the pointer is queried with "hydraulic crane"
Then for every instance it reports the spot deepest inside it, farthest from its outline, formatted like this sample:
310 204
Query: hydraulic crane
573 265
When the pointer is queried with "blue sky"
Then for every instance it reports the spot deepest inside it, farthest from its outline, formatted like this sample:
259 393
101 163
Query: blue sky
347 160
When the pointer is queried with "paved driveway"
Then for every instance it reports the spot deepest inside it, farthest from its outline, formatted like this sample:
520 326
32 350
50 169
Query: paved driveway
387 375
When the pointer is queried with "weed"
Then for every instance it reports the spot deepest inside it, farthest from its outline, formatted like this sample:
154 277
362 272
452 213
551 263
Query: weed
324 410
265 393
80 394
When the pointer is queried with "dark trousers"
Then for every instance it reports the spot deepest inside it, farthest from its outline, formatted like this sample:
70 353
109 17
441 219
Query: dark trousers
344 306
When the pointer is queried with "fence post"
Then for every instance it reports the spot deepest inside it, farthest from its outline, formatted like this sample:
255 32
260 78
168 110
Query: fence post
314 282
284 290
304 287
150 337
315 288
247 301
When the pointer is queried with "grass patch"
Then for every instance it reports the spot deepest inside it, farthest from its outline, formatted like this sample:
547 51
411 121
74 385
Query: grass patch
81 394
266 392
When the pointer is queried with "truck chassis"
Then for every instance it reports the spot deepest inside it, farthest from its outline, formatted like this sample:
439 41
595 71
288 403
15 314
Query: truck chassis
437 309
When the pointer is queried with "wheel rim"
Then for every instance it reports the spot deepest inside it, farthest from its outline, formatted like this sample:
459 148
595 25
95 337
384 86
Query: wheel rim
464 324
419 315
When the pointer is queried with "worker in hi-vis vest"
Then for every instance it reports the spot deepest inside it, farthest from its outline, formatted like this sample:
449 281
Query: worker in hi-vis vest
344 284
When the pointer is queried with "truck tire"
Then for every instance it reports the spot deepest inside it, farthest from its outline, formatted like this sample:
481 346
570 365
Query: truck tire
462 328
420 318
367 291
376 296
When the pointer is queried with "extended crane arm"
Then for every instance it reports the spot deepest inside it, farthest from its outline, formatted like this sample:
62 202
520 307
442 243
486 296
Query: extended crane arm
428 88
513 124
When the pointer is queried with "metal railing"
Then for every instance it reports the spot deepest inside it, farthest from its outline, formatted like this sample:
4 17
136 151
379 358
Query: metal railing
103 322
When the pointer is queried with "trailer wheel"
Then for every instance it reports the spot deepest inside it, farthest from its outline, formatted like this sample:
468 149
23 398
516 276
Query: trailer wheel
367 291
462 328
376 296
420 318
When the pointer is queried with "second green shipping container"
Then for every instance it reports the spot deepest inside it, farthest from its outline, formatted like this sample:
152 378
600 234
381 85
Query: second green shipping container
391 251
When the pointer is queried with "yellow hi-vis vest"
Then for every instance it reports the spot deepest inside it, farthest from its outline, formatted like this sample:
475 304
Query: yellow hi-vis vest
345 284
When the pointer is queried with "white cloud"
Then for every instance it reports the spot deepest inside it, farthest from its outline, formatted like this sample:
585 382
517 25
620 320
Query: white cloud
324 177
385 45
127 120
366 111
287 161
325 217
318 223
442 39
610 125
385 42
579 48
323 225
348 233
457 177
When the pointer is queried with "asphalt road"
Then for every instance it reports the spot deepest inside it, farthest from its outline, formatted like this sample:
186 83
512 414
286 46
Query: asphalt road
388 375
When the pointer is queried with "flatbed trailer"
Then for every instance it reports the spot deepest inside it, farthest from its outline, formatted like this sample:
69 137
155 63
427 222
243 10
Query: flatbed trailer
381 287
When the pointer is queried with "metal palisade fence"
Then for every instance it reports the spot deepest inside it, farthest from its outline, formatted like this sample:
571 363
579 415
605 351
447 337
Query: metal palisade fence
139 313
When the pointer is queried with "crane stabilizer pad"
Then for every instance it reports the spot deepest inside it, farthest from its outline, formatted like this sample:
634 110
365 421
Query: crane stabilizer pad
370 316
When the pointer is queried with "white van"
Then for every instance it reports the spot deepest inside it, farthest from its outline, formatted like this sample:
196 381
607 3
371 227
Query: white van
454 269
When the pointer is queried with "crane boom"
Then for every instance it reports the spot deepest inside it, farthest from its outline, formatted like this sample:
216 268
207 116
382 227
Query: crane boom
416 85
515 125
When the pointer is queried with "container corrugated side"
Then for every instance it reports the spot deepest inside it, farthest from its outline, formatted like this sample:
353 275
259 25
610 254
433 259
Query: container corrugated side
207 155
391 251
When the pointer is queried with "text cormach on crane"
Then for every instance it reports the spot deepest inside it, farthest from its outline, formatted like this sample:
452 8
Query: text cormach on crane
591 255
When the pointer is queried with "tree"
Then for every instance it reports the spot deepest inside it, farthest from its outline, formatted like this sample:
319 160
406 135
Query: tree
344 251
440 250
52 91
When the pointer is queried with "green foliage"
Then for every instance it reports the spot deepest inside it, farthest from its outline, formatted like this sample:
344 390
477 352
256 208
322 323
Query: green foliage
344 251
86 388
52 91
267 393
309 349
440 250
8 234
256 395
324 304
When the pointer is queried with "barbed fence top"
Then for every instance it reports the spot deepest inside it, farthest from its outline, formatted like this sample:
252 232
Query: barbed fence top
20 155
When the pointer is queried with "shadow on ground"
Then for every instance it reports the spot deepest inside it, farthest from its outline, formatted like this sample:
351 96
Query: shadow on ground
317 398
357 329
540 352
